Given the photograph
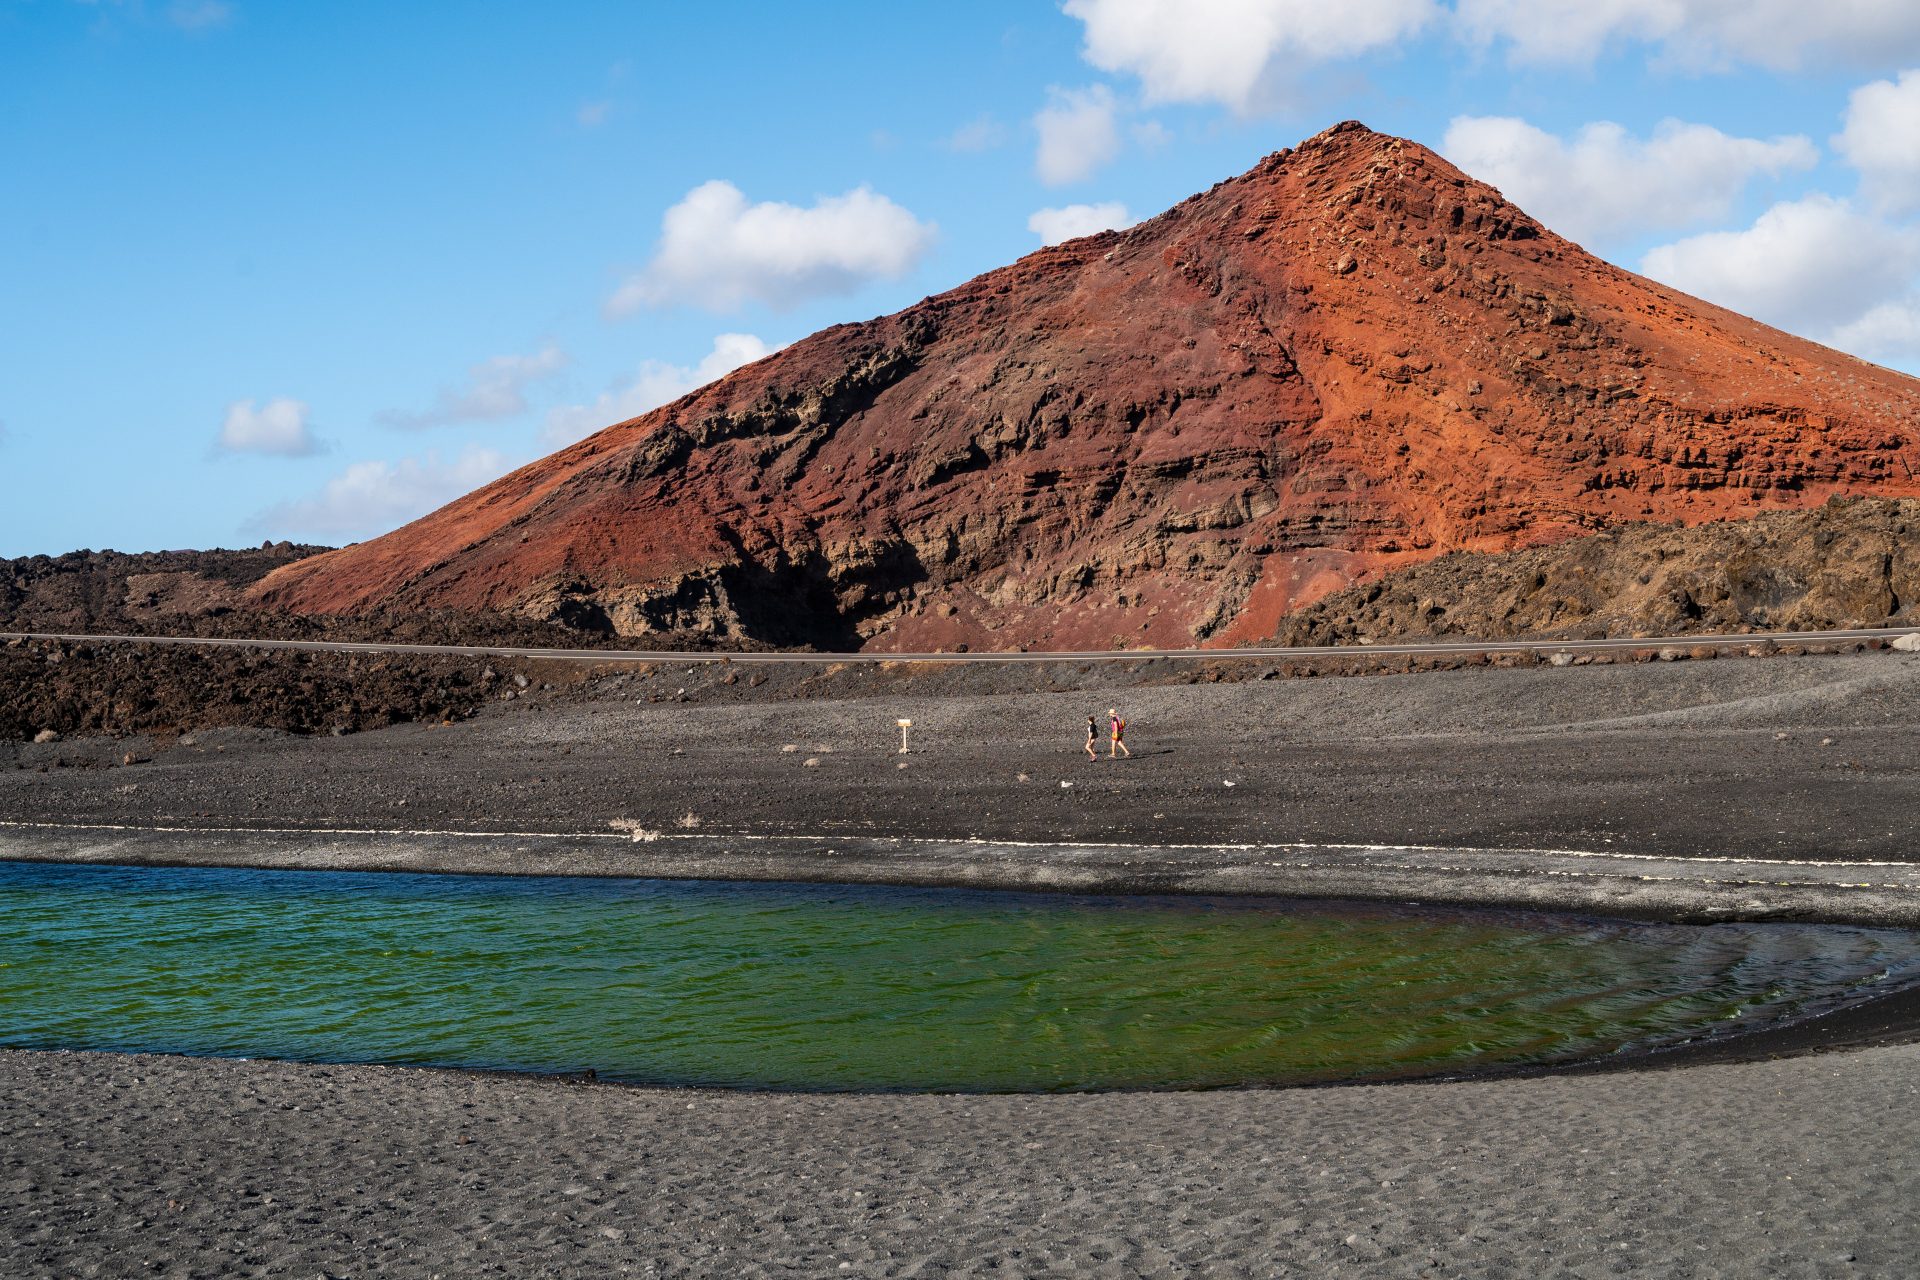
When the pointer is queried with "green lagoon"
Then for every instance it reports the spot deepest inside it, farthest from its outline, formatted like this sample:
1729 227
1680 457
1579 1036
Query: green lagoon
782 986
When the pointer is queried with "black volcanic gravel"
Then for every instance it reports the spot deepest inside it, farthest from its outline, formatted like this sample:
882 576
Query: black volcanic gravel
1781 757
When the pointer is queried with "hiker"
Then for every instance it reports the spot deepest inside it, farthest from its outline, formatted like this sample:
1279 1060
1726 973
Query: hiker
1093 733
1118 741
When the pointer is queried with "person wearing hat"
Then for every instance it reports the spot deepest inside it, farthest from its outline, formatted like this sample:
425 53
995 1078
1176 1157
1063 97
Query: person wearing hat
1118 729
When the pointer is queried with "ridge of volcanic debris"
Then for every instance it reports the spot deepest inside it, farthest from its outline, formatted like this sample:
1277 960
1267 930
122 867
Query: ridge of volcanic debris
1351 358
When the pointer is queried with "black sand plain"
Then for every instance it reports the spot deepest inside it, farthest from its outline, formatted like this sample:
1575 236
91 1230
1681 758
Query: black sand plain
1791 783
1797 758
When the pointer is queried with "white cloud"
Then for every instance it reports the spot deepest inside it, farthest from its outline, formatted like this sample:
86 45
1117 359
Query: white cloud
1236 52
278 427
982 133
495 388
592 115
1606 181
372 497
717 251
1780 34
1889 331
1569 32
1882 140
656 383
1075 220
1077 134
1815 266
1241 53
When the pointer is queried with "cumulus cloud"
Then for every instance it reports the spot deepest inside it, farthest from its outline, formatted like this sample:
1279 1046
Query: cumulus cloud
1889 331
1879 139
1604 180
1780 34
717 251
1075 220
279 427
656 383
1078 134
1815 266
1241 53
372 497
495 388
1236 52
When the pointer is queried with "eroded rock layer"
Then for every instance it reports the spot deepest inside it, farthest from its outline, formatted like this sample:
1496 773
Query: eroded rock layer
1351 358
1849 563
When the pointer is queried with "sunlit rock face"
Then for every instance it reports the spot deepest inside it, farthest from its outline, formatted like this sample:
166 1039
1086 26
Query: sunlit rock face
1351 358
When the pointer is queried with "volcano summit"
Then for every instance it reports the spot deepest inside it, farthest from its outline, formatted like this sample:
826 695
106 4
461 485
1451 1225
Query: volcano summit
1351 358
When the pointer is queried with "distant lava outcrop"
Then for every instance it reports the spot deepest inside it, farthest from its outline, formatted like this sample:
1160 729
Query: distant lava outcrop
1351 358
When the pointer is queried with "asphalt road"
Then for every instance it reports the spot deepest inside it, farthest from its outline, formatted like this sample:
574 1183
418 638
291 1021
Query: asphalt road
1428 648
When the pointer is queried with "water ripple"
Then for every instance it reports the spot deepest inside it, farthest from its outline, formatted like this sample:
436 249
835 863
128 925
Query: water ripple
825 987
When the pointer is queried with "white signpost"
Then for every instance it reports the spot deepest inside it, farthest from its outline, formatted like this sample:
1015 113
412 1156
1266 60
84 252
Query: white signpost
904 726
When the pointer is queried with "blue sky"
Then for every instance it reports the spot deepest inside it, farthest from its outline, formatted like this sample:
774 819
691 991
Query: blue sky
283 269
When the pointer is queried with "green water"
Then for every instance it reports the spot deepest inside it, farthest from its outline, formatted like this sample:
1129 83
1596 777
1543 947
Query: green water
827 987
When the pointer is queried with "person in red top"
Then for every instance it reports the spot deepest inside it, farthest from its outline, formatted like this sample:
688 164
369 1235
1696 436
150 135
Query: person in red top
1118 728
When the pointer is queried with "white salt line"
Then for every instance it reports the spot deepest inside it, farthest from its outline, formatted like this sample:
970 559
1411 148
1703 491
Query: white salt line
848 837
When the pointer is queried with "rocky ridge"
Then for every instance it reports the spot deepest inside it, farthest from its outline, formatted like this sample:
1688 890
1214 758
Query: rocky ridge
83 687
1352 358
1850 563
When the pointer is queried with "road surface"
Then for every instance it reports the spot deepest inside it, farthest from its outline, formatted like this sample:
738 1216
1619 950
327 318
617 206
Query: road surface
1435 648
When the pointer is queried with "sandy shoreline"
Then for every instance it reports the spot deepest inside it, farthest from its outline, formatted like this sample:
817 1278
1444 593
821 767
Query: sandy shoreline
1762 789
1734 789
1755 758
1625 885
130 1165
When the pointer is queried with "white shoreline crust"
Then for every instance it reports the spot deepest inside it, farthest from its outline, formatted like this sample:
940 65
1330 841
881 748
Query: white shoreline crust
1595 882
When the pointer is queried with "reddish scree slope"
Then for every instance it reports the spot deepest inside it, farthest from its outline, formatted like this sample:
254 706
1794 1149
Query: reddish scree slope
1350 358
